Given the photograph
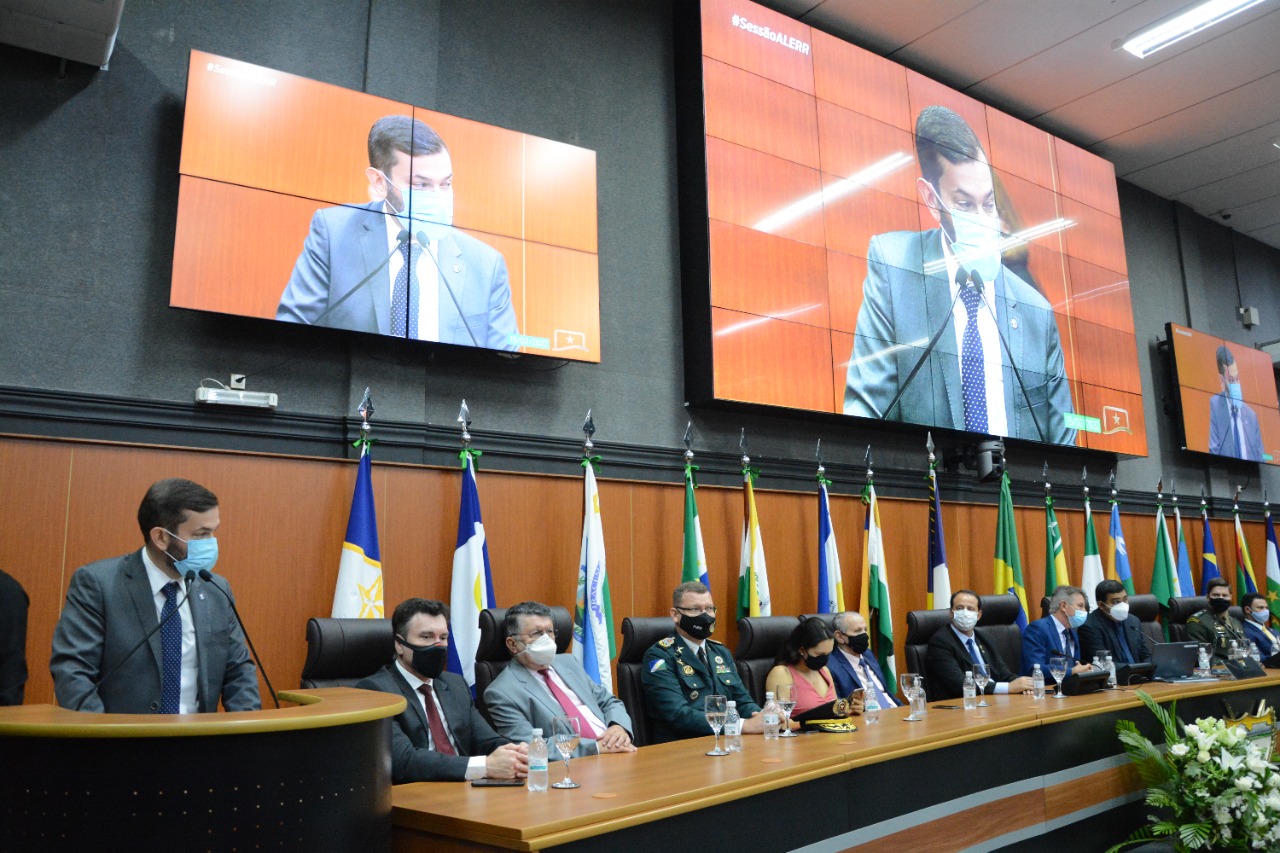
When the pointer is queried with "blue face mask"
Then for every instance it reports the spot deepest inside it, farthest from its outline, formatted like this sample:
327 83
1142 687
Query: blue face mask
1078 617
976 245
202 555
426 210
1233 391
1262 617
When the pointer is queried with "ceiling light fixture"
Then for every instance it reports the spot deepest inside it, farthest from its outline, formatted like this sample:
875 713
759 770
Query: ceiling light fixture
1186 23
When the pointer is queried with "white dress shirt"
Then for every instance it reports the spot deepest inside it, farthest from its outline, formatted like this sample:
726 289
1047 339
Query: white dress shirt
866 673
190 663
1001 686
997 417
476 763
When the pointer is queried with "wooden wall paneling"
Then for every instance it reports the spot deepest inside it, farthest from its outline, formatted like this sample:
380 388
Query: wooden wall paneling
563 301
859 80
1096 238
418 529
1086 177
560 194
656 533
1100 295
746 186
734 45
851 142
766 275
775 362
743 108
1021 149
534 529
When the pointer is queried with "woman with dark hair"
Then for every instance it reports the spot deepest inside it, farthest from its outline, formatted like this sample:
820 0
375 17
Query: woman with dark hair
803 662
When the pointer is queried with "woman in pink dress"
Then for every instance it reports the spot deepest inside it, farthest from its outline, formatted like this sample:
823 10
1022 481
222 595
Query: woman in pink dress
803 662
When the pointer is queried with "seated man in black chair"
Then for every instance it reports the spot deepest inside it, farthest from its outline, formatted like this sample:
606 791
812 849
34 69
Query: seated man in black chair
1110 628
440 736
680 671
955 649
1214 625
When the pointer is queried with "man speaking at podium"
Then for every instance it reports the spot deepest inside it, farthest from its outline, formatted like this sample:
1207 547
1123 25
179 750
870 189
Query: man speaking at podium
194 650
396 266
948 288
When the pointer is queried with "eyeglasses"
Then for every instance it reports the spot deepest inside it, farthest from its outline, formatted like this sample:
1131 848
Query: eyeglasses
697 611
534 636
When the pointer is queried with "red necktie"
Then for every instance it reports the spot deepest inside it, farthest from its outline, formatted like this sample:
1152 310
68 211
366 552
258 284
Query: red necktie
439 737
570 707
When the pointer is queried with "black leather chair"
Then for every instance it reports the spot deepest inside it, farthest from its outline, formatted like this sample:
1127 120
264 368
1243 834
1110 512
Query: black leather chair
492 656
759 640
1044 608
921 626
341 652
1177 613
638 634
999 627
829 618
1147 610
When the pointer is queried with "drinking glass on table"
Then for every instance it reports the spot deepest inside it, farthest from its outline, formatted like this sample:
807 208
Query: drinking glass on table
981 678
714 708
1058 666
785 694
911 685
566 734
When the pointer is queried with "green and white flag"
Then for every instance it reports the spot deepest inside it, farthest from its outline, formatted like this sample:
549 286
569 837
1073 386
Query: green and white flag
1091 573
874 600
1164 578
695 556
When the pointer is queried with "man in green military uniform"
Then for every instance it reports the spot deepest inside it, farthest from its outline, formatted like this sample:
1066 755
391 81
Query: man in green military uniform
1214 625
680 671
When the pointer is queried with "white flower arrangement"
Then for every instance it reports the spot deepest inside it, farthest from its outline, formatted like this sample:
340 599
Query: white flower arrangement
1215 786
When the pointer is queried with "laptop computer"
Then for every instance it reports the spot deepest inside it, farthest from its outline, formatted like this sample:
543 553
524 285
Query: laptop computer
1176 662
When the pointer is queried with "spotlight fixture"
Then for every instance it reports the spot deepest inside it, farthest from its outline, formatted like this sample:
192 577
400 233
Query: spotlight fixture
1188 22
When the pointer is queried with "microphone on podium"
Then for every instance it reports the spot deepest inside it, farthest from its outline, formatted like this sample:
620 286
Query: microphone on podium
426 247
401 239
207 577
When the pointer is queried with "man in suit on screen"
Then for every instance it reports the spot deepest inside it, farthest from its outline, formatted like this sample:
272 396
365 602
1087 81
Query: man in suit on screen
396 266
198 654
440 736
1233 426
540 685
951 281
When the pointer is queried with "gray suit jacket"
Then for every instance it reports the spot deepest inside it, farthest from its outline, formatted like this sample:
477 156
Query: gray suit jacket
347 243
411 759
901 310
519 702
109 609
1223 439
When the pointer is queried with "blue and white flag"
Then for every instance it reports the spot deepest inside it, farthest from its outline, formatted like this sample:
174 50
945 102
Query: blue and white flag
472 589
358 594
830 585
593 644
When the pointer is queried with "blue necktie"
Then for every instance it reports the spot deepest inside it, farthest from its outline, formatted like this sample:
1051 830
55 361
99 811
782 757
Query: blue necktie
973 651
1126 654
869 682
973 376
405 296
170 651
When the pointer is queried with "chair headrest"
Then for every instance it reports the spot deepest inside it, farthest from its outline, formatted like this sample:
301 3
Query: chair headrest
641 632
762 636
999 609
1145 607
829 618
493 633
1180 609
347 648
923 624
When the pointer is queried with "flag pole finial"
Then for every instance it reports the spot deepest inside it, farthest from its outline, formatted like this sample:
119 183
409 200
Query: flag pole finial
1204 505
817 453
867 459
742 445
928 445
688 442
1173 492
366 411
464 418
1112 482
1045 473
588 430
1084 478
1235 502
1160 489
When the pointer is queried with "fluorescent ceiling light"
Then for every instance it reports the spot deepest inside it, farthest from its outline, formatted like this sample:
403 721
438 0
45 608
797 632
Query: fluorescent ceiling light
1187 23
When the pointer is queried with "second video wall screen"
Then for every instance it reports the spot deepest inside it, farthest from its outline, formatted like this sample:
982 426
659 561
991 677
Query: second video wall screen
859 212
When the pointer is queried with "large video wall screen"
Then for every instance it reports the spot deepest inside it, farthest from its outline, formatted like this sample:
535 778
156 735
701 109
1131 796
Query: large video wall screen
309 203
839 249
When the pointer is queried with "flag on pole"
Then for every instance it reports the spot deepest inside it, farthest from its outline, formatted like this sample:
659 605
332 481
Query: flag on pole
1245 581
695 556
939 594
1208 559
753 578
1117 553
359 590
1091 571
593 643
1164 581
830 585
1273 568
1008 561
472 588
875 589
1186 586
1055 558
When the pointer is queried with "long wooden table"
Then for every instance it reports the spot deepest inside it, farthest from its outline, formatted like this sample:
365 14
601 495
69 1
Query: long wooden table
1012 776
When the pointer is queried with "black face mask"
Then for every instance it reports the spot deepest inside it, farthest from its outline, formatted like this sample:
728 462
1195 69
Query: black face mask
699 627
816 662
859 643
1220 605
428 661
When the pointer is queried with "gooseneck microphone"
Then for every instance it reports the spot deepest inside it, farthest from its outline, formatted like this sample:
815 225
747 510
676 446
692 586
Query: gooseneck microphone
1017 373
186 591
426 247
207 577
962 281
401 239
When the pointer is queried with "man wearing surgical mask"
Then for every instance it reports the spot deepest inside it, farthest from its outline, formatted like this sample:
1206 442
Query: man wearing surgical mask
541 685
1257 622
853 665
396 265
439 736
1233 425
1215 625
680 671
1057 633
956 649
1111 630
167 585
951 282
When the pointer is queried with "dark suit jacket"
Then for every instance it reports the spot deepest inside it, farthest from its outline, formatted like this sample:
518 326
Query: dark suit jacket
109 609
13 640
901 305
1098 634
1223 439
1253 631
346 243
846 677
947 661
1040 641
411 759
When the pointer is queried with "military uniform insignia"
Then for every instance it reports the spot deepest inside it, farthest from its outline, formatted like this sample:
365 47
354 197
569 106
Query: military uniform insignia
666 642
719 659
688 670
721 669
658 664
693 695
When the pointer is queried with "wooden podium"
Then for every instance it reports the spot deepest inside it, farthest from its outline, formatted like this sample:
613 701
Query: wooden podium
313 776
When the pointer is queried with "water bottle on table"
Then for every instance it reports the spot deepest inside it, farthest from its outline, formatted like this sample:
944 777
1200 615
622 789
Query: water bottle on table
772 713
538 762
733 728
970 692
1037 683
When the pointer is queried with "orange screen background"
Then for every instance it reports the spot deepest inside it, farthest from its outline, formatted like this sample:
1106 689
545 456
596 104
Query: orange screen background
783 124
263 150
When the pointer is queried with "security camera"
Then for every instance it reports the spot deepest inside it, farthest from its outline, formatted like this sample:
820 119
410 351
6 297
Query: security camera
1226 216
